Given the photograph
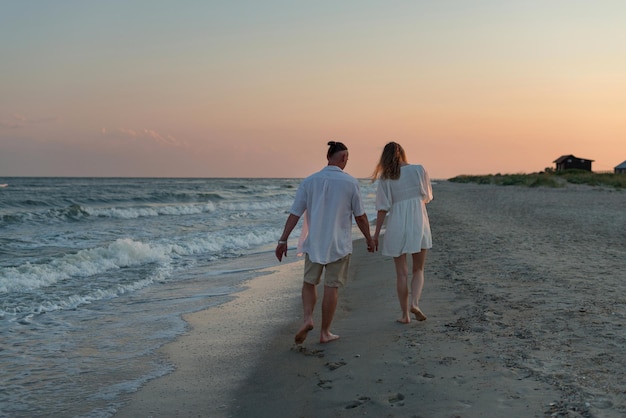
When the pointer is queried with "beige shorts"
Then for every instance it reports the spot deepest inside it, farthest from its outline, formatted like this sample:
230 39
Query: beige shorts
336 272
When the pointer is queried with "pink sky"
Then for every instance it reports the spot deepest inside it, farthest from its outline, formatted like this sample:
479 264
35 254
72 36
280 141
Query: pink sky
203 90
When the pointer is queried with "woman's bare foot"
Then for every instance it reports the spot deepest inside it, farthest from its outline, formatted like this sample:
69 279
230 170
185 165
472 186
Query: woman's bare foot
302 332
404 320
326 337
419 315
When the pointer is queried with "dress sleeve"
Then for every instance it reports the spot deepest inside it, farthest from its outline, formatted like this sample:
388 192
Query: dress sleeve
383 197
427 190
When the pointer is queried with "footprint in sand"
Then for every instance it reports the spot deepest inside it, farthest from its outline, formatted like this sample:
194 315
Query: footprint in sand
357 402
396 399
325 384
306 351
447 361
335 365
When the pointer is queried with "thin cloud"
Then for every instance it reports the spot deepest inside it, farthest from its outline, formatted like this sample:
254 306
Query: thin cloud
17 120
145 134
10 125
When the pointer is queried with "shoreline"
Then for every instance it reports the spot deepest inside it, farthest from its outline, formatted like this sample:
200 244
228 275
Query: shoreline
524 298
223 343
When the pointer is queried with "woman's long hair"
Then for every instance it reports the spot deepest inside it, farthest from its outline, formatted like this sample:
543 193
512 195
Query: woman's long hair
391 160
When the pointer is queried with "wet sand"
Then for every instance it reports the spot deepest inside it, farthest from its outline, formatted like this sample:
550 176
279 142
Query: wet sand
526 301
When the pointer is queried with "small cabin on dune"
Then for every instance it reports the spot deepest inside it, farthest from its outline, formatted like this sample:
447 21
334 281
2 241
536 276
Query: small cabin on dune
568 162
621 168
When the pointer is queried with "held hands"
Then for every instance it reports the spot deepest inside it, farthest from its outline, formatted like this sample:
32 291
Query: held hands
375 241
281 248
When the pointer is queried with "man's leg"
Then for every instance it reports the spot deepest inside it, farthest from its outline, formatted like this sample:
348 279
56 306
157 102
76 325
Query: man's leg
336 277
309 298
329 305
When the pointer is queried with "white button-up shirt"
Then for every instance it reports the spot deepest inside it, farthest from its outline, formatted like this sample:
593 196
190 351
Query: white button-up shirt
328 199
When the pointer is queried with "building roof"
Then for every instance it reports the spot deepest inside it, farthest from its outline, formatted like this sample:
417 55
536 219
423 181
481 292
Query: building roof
565 157
621 166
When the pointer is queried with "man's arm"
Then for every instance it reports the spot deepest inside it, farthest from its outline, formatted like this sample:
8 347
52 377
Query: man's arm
364 226
290 224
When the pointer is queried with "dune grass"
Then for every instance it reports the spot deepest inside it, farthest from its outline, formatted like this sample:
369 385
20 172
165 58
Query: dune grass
548 178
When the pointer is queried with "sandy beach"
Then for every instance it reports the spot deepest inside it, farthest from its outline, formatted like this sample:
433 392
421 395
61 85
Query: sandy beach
526 303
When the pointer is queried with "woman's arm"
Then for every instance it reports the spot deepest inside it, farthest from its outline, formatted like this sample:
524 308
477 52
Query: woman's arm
380 219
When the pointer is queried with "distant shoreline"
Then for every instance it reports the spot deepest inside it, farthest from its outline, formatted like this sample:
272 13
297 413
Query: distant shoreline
547 179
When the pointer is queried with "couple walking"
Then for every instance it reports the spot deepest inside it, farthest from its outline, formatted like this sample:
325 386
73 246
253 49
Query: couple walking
329 199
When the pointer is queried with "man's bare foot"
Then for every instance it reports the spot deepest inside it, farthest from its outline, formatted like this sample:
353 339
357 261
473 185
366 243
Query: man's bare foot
327 337
302 332
419 315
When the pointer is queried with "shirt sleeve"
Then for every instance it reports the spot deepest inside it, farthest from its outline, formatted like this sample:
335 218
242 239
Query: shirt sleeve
358 208
299 203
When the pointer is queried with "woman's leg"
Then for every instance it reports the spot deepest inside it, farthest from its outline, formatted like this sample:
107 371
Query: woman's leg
417 283
402 276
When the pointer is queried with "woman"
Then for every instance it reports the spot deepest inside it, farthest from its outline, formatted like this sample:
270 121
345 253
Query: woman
401 197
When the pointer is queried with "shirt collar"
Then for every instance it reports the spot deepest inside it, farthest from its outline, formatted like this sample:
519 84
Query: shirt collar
333 168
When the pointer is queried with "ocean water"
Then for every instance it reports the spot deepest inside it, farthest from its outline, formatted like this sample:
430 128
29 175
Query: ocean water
96 273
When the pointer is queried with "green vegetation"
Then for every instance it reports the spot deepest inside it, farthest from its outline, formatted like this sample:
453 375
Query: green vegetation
548 178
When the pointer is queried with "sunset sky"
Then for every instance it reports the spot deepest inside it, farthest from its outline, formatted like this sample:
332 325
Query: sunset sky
257 88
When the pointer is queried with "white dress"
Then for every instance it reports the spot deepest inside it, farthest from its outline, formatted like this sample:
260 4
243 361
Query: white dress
407 229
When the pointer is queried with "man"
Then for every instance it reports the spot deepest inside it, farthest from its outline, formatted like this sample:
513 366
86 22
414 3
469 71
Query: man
328 199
